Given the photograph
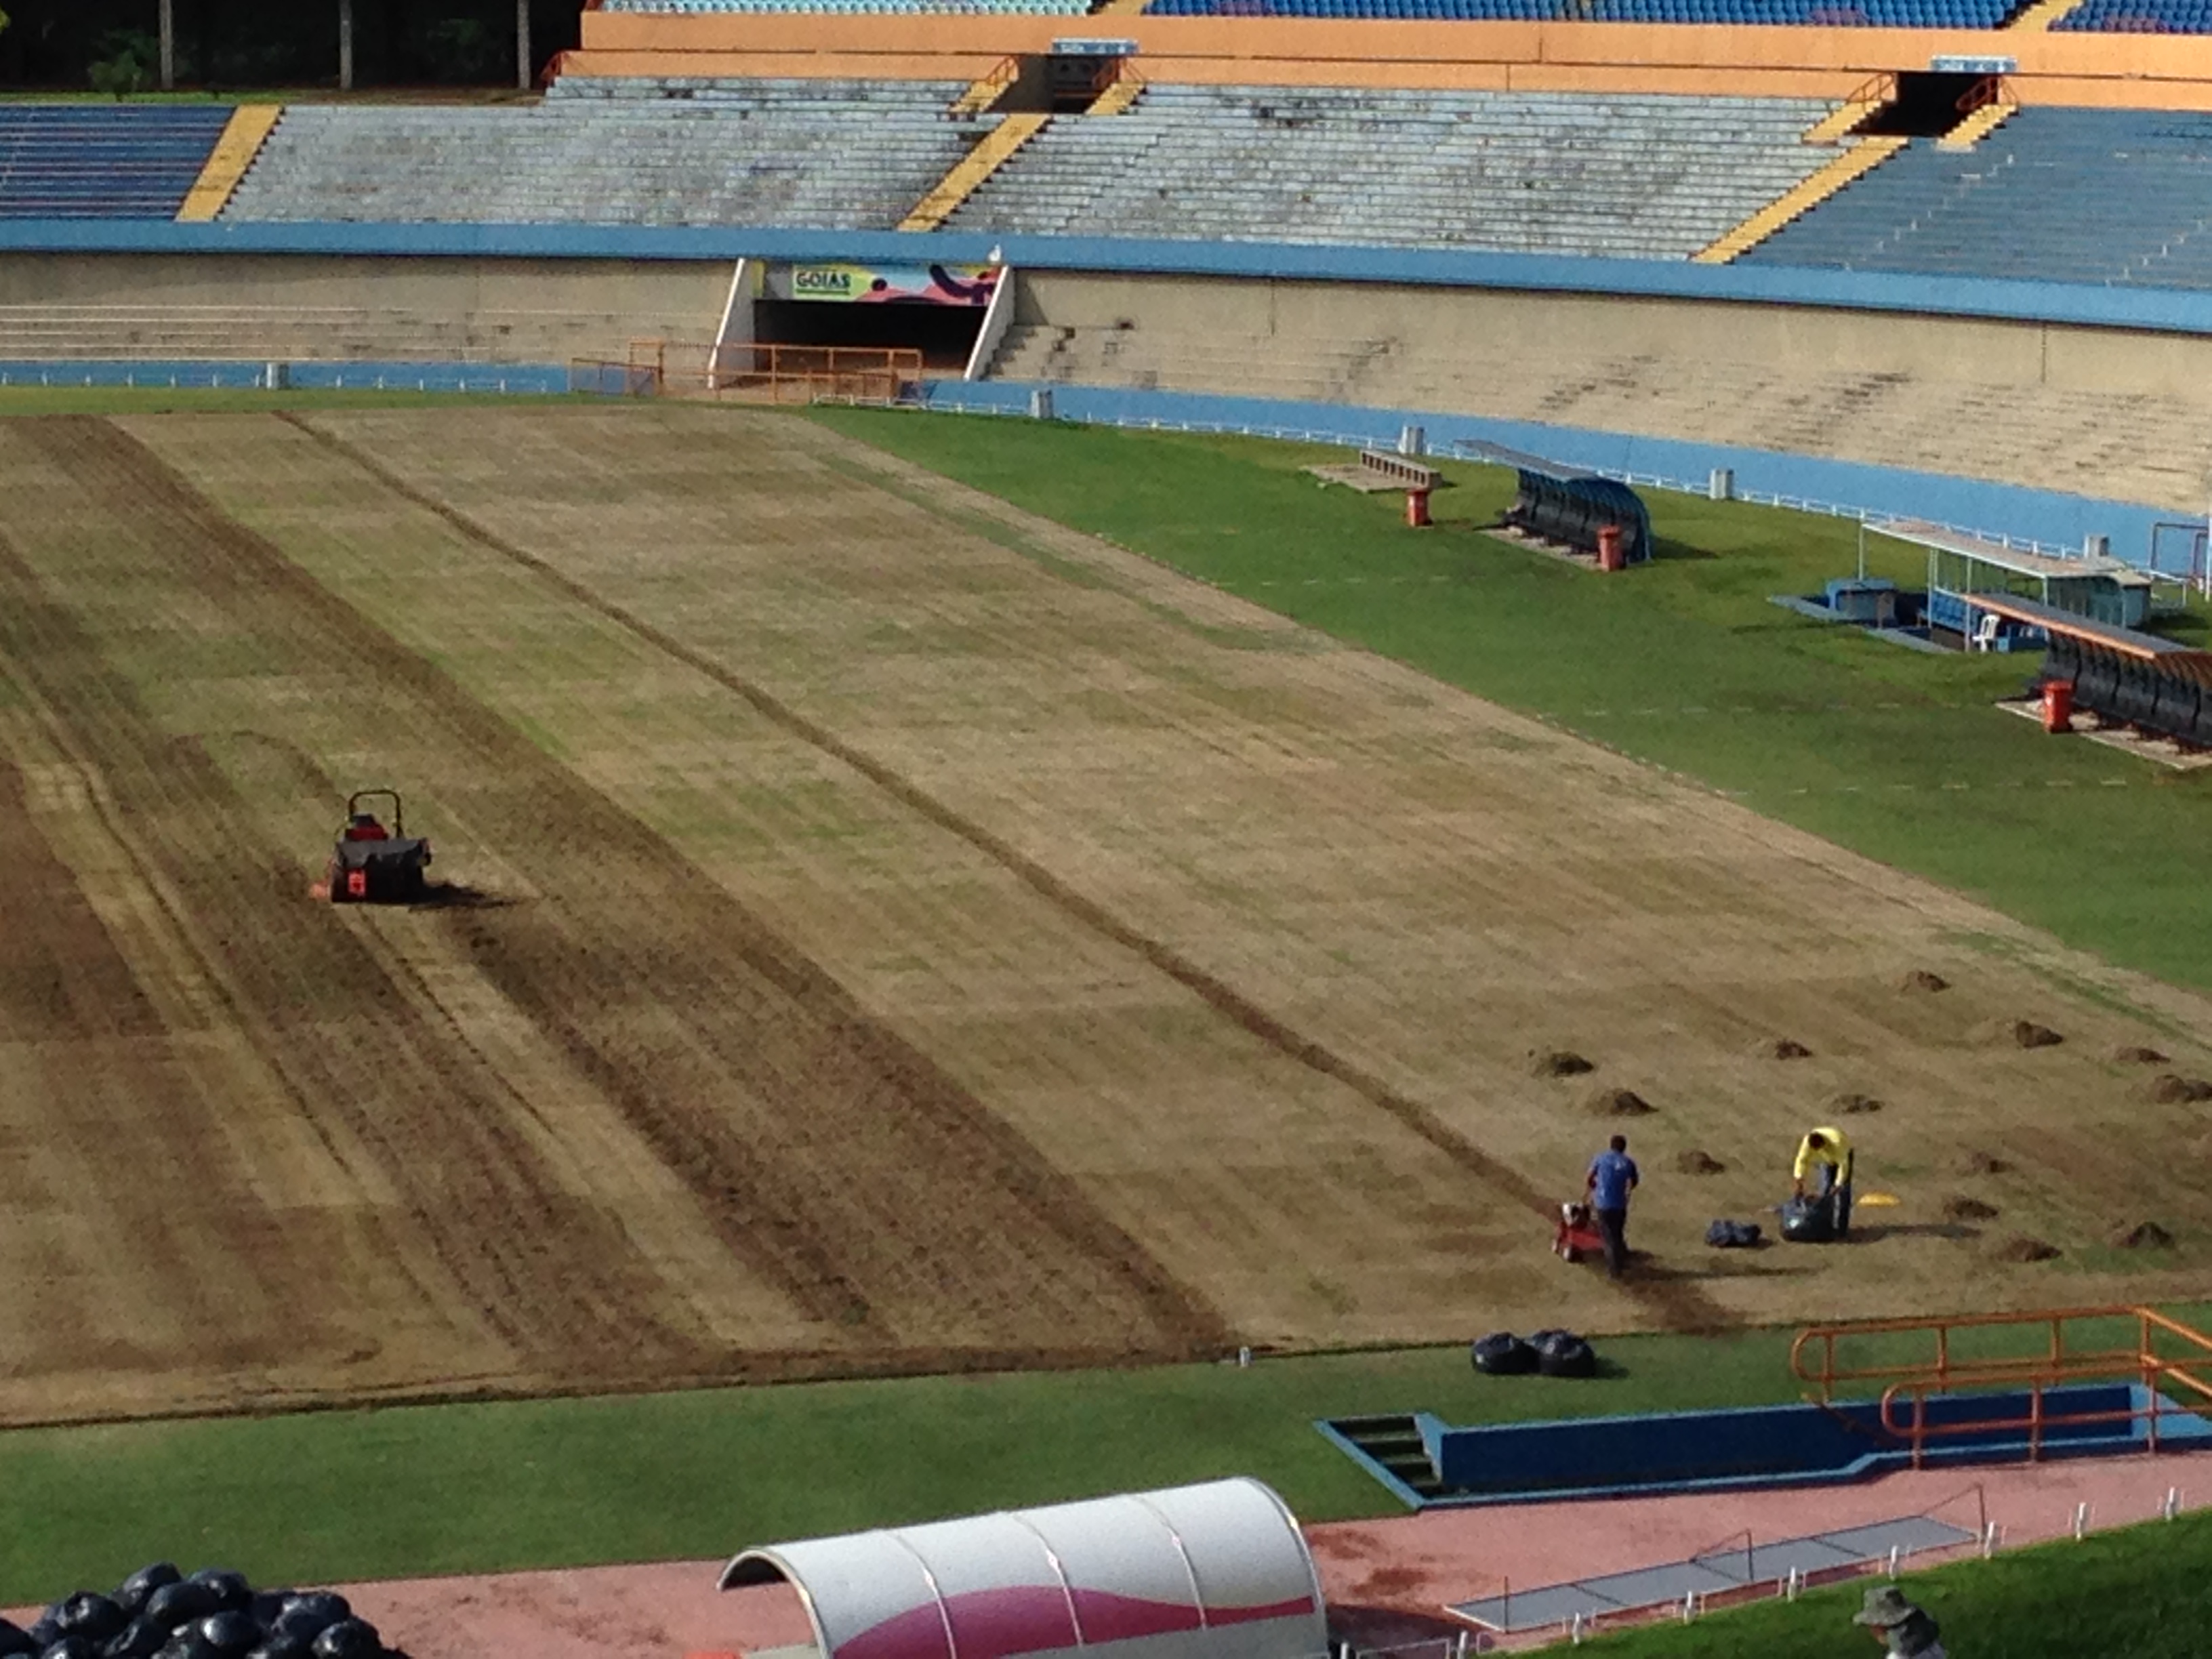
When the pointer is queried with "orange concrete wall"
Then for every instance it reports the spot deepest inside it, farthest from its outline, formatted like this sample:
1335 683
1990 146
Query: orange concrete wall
2146 71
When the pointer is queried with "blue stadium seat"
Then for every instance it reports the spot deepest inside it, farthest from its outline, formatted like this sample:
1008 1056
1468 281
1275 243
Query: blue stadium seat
103 161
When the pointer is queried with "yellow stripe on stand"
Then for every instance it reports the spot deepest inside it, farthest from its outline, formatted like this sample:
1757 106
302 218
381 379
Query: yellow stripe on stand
1801 199
998 148
2038 18
1976 127
243 135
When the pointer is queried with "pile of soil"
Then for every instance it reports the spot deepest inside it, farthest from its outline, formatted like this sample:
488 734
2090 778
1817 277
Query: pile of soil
1855 1105
1783 1048
2022 1034
2144 1236
1959 1207
1696 1162
1921 979
1620 1102
1979 1163
2135 1054
1559 1063
2021 1248
2167 1089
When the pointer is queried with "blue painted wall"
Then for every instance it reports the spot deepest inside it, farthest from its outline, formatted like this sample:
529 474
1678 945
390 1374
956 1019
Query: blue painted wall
2087 304
2045 516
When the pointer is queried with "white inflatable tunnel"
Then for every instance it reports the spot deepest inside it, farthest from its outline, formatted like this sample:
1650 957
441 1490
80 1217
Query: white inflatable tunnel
1213 1572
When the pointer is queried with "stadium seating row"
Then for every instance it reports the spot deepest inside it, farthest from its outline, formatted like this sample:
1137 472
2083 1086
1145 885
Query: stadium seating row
2062 194
2139 17
1632 177
840 154
91 160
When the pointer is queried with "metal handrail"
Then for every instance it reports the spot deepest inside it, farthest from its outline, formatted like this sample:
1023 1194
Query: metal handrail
2037 1373
1944 1370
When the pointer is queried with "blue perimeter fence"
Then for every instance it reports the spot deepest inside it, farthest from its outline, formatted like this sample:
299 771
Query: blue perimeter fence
2037 521
512 379
2040 520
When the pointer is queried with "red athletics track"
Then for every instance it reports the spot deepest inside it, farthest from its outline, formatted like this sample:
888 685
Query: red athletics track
1386 1580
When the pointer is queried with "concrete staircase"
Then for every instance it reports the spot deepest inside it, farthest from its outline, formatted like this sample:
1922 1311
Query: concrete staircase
844 155
1801 199
1627 175
62 333
2136 447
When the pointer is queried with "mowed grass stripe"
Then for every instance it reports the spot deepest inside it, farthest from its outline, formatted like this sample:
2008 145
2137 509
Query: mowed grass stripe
1889 752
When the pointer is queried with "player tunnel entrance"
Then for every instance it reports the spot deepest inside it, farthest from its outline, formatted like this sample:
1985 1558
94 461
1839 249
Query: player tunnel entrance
937 310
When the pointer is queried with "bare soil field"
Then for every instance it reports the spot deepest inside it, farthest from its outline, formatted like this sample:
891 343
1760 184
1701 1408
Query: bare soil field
886 931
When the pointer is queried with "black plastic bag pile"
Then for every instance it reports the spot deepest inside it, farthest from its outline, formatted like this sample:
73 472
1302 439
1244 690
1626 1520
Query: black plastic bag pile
1549 1353
158 1613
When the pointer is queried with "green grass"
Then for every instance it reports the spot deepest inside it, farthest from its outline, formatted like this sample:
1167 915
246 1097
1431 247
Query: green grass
1894 753
433 1489
405 1491
2145 1592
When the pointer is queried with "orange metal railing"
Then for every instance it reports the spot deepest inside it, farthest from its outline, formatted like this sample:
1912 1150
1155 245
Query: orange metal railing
2150 1360
761 372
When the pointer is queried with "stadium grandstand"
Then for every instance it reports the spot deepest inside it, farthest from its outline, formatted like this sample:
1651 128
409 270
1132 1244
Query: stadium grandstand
1958 236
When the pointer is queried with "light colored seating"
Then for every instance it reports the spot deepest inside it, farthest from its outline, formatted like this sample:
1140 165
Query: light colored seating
1629 176
844 155
2059 194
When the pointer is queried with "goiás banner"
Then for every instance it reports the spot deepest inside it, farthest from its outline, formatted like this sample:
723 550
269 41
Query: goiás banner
858 284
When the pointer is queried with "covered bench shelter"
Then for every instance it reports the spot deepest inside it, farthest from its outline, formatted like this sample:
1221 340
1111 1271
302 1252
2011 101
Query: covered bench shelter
1213 1572
2120 674
1560 503
1967 574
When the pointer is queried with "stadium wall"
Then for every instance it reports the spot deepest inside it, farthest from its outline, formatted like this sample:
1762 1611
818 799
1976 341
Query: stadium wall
2163 71
515 310
1695 338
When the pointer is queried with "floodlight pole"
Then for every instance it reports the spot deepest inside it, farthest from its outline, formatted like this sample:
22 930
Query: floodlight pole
169 46
522 45
345 46
1862 550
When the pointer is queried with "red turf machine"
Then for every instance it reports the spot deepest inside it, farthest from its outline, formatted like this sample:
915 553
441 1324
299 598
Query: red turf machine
372 863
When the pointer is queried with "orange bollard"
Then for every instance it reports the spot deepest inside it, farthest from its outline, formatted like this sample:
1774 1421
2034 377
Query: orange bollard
1417 509
2057 705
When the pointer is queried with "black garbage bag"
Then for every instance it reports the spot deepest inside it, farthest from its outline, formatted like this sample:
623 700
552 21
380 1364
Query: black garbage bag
231 1591
1501 1353
1725 1235
142 1638
230 1632
178 1604
187 1643
1808 1221
93 1616
283 1647
13 1640
133 1595
47 1629
1562 1353
72 1647
268 1605
349 1638
311 1612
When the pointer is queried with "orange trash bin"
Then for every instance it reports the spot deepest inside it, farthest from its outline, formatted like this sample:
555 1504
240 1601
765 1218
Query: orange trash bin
1417 509
2057 705
1610 555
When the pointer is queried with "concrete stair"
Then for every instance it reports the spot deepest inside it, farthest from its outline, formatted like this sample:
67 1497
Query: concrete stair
63 333
1801 199
2135 448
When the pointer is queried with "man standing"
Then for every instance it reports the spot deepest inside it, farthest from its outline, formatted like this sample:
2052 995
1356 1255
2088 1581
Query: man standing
1612 1177
1824 1157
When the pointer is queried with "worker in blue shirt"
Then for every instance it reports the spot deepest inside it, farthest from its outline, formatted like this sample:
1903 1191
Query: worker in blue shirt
1612 1177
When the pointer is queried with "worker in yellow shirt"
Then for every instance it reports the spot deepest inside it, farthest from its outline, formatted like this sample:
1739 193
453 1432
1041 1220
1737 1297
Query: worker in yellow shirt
1824 1157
